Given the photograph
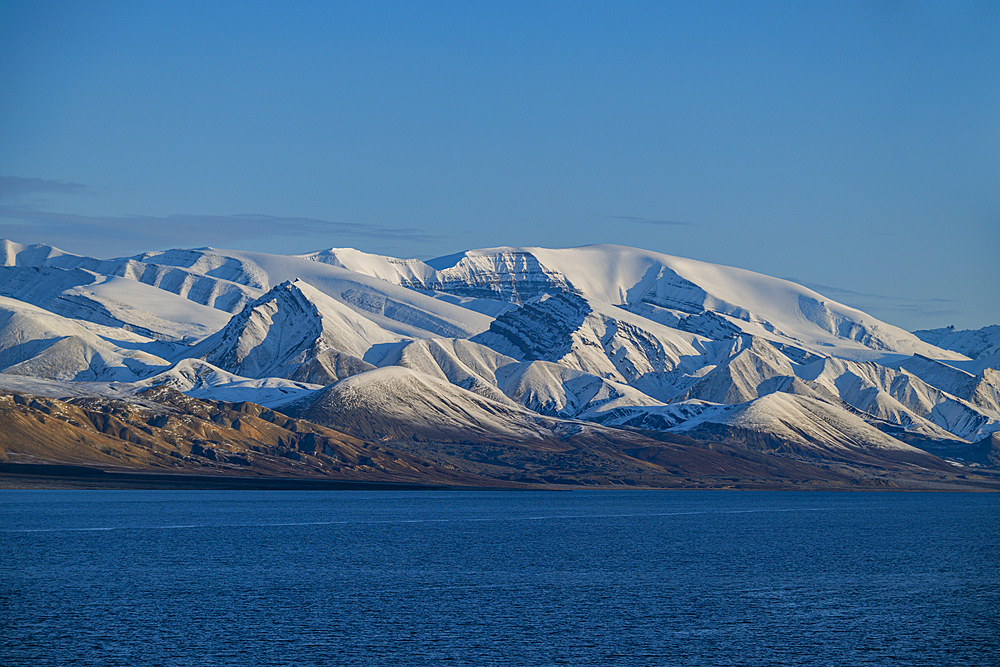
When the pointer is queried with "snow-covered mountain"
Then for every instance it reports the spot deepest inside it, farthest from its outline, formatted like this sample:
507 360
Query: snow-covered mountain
294 331
504 343
660 287
799 425
980 345
970 342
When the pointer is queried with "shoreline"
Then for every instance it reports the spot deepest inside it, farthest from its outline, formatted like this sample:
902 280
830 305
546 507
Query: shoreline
67 477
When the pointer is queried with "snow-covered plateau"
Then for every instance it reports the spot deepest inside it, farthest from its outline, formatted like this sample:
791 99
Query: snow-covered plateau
506 345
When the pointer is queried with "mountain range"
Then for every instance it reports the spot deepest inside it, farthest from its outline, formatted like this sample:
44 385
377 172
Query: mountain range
599 365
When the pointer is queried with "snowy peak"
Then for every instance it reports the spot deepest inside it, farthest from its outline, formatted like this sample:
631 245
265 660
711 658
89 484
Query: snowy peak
554 389
502 274
599 340
204 276
720 299
203 261
754 303
294 330
397 271
17 254
901 397
506 274
748 365
463 363
201 379
985 393
280 324
543 387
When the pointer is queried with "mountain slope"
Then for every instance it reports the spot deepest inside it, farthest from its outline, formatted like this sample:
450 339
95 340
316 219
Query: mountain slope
111 301
902 397
166 431
200 379
396 403
294 331
35 342
441 423
542 387
982 345
599 340
801 426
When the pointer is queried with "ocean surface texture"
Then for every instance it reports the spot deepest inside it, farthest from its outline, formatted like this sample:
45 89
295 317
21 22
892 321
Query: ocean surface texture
499 578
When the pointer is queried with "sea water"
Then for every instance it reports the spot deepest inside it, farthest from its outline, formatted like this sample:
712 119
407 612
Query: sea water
498 578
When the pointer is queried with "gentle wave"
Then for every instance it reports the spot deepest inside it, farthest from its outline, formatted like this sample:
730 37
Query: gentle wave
393 522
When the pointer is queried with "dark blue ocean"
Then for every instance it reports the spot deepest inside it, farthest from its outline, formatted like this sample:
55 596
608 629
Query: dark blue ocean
498 578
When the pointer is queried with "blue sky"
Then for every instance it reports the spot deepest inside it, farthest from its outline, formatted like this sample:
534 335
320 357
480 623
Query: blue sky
853 147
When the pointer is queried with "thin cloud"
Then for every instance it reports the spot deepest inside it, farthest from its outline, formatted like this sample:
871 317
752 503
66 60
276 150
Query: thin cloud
912 315
15 186
887 307
648 221
145 232
829 290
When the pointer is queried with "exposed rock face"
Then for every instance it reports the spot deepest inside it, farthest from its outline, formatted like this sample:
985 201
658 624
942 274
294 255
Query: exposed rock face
539 330
515 276
167 431
992 447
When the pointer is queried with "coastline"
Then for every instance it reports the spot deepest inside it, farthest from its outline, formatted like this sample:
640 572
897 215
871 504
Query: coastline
54 476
